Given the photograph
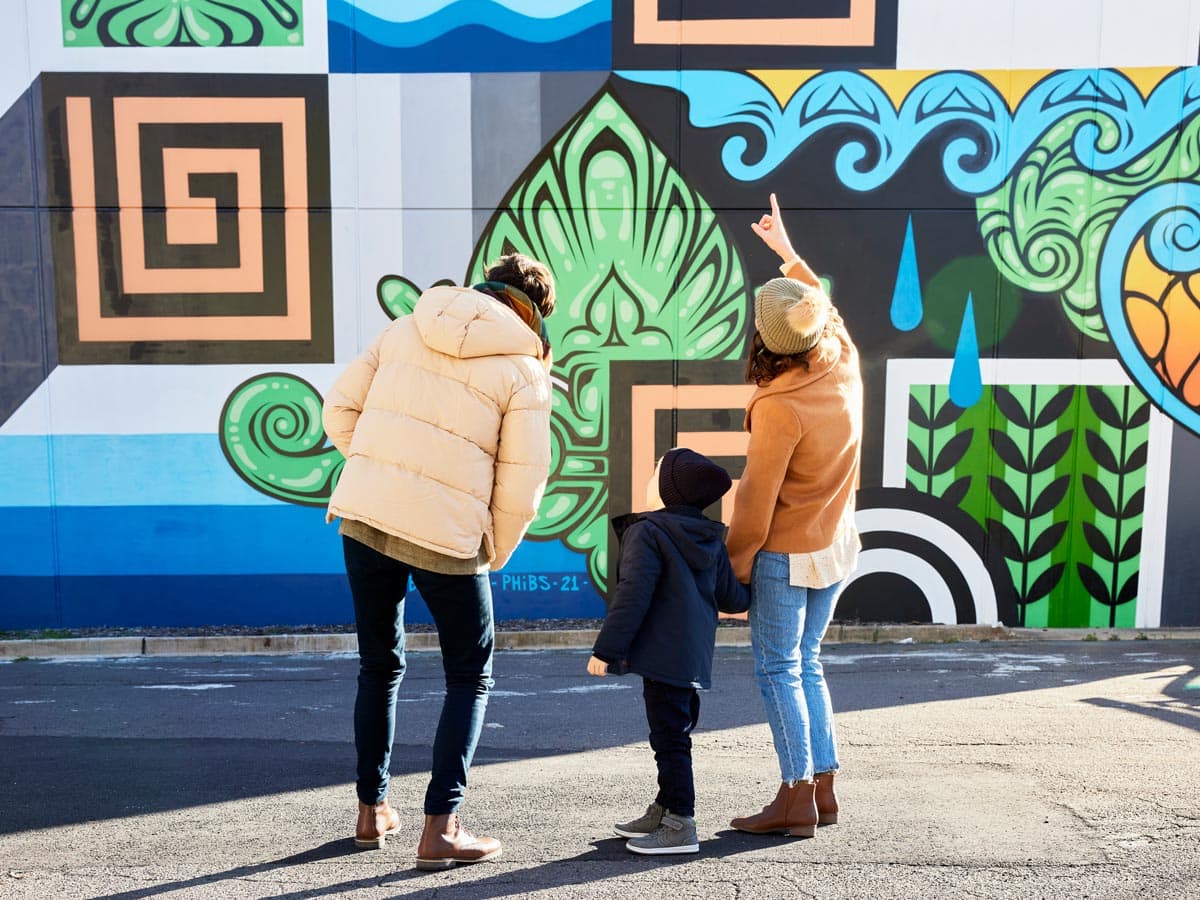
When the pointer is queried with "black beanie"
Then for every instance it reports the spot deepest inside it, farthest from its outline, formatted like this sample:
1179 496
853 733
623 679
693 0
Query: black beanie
687 478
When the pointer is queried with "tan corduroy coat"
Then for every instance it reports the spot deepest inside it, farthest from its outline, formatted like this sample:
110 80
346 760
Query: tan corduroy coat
802 464
445 425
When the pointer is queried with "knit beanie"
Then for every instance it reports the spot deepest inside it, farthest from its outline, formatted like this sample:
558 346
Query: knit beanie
687 478
790 315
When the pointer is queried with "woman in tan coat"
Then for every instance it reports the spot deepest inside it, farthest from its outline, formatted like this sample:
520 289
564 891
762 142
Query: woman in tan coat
792 537
445 425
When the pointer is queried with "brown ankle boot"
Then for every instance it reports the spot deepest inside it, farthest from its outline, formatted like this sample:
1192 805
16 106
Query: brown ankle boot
374 824
793 811
444 843
827 805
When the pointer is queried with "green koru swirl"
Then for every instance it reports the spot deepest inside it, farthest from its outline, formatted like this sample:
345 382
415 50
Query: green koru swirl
1046 225
182 23
643 271
272 435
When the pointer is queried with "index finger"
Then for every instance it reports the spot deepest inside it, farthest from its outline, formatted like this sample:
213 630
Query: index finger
774 206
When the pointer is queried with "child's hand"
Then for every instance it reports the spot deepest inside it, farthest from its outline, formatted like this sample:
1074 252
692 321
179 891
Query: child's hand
597 667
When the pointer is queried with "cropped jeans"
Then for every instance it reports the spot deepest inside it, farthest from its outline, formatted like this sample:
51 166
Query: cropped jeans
462 610
786 627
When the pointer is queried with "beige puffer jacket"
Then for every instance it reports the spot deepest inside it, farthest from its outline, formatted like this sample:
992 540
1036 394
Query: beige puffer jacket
445 425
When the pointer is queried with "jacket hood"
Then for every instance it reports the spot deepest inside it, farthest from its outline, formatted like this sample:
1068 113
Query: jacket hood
466 323
699 540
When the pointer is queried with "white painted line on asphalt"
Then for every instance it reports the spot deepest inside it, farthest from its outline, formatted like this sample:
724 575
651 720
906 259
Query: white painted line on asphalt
182 687
589 688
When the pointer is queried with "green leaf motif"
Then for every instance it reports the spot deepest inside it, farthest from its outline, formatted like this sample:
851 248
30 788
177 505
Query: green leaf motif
398 296
1045 226
1094 584
271 433
643 271
182 23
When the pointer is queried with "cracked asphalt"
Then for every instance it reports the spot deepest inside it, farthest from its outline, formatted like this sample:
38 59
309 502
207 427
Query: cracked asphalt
1008 770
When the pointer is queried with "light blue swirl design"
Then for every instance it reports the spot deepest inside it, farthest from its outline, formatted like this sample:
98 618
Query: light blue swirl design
388 30
975 163
1169 216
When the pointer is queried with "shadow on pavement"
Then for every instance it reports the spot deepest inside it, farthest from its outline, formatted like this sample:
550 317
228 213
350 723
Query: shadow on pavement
108 778
1180 704
545 706
555 874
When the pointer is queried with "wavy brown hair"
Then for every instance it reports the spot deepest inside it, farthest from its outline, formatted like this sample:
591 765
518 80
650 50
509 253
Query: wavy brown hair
764 366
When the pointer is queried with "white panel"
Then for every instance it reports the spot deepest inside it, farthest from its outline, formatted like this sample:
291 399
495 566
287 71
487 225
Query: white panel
15 73
143 399
954 34
1046 34
1153 33
380 155
343 141
437 141
49 54
437 244
1064 34
348 295
382 250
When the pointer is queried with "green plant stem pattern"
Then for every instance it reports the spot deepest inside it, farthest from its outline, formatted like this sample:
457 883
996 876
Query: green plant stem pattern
1065 513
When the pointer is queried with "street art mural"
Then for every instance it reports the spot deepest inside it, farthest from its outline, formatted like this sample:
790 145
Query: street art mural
191 258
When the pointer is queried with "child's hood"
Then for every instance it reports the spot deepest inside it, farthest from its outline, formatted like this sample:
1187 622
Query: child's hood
697 538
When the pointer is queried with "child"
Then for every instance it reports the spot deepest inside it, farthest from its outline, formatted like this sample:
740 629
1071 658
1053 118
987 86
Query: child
674 575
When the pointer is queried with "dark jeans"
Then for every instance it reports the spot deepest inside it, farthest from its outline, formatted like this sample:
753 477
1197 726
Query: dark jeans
462 610
672 713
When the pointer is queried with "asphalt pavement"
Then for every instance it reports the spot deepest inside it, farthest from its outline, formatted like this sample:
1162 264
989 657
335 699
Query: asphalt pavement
974 769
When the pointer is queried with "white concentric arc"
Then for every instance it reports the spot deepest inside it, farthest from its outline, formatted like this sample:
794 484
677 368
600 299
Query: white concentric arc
949 541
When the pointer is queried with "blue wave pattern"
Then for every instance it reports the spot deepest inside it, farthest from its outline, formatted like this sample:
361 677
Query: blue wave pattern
470 35
975 162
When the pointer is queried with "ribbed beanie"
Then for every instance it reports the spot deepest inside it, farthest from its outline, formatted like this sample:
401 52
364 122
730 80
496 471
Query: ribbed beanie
688 478
790 315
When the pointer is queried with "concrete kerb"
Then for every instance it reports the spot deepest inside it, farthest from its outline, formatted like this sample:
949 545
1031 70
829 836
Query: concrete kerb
281 644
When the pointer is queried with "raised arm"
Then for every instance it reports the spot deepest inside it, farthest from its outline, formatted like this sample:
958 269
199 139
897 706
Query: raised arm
773 233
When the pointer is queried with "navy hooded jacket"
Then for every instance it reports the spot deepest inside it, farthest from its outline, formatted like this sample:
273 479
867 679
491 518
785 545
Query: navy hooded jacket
673 576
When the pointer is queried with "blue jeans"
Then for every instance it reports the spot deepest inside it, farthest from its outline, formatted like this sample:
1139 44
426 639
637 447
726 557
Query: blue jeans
462 610
786 627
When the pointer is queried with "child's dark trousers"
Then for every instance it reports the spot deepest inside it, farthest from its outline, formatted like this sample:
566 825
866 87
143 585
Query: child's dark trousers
672 713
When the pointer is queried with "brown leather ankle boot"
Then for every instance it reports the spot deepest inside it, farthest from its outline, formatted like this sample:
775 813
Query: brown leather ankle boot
793 811
374 824
445 843
827 805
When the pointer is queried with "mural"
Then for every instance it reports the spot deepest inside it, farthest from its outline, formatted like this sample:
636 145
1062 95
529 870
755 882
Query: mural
196 257
182 23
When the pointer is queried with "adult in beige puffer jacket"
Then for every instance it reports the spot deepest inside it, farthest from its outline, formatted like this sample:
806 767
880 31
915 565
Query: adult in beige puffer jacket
445 425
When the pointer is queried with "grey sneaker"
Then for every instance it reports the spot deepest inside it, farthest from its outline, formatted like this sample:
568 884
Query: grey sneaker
643 824
676 834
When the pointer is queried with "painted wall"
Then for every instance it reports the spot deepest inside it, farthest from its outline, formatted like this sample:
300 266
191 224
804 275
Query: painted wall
207 209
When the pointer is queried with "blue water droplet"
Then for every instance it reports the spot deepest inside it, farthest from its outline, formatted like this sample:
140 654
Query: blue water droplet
908 307
966 381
